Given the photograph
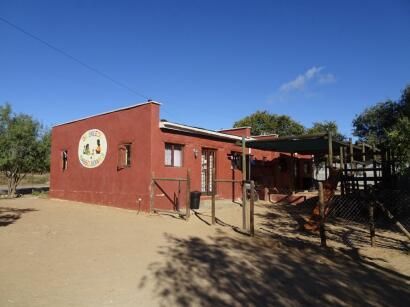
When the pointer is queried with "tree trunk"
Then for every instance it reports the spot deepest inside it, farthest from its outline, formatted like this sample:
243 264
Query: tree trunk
12 187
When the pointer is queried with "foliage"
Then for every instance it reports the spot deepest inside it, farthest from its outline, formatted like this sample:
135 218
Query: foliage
324 127
387 124
374 123
24 147
263 122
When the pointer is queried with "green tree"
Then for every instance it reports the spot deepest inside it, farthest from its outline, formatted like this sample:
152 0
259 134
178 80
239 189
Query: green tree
374 123
24 147
324 127
263 122
387 125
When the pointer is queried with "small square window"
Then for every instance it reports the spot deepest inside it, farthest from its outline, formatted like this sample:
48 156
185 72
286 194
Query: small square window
173 155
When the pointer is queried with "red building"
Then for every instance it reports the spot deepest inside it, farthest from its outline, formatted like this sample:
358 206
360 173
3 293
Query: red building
110 159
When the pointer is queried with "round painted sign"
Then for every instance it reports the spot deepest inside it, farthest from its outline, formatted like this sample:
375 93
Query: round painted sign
92 148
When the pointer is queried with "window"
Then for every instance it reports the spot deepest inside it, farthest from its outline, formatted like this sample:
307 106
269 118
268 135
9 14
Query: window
64 156
124 156
173 155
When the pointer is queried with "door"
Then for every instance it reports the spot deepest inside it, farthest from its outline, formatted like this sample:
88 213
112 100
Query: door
208 163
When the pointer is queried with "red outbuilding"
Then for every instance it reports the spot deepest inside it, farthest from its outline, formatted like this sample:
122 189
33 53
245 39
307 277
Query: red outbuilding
110 159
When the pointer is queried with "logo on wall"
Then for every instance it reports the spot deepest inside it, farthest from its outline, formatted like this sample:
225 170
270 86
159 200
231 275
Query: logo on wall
92 148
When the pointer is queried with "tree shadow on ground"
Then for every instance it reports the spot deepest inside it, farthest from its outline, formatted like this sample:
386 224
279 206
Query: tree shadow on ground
237 271
11 215
286 220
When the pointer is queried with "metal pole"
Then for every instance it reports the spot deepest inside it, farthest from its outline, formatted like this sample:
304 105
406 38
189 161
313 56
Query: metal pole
243 184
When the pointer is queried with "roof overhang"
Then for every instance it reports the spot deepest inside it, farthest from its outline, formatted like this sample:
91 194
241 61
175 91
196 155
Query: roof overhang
200 131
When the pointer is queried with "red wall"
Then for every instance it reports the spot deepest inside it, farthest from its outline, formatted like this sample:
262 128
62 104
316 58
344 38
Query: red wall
105 184
139 125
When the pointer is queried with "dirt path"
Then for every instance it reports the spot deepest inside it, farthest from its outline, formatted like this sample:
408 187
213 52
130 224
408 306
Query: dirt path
60 253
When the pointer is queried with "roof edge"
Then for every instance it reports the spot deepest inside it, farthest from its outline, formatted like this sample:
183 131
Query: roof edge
108 112
185 128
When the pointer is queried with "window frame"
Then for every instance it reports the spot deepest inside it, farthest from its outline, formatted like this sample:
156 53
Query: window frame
64 160
173 145
124 159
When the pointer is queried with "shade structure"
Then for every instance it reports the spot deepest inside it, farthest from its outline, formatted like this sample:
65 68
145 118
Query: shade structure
303 144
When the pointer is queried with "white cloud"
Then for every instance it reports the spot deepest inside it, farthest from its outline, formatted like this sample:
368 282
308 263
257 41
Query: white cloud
312 75
326 79
304 85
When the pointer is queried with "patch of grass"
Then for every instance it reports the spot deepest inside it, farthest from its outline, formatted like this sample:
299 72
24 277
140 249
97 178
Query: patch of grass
30 179
41 194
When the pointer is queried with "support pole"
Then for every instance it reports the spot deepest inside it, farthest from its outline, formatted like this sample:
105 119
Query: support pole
322 216
394 220
292 169
374 166
342 182
330 148
151 193
188 194
243 184
213 196
251 209
353 173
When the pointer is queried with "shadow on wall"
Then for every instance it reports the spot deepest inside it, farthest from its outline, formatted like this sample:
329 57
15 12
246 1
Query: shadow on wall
279 270
10 215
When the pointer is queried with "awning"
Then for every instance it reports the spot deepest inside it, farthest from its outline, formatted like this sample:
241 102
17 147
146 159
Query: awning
303 144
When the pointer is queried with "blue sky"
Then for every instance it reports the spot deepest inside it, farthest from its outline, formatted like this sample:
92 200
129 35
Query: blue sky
209 62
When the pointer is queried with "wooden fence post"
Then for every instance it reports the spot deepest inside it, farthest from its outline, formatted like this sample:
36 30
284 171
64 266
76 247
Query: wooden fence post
342 181
371 223
322 216
243 184
330 149
188 194
213 196
251 208
151 193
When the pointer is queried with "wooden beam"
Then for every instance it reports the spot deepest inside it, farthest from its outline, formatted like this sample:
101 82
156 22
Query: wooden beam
170 179
251 209
330 148
188 194
151 193
322 216
213 184
243 184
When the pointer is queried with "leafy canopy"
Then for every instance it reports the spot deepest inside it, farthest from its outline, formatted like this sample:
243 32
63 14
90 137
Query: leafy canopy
263 122
387 125
24 146
326 126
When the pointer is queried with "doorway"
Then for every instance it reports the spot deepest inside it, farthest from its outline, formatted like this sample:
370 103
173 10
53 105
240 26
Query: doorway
208 163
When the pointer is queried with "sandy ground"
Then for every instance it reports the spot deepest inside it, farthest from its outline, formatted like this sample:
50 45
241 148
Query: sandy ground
60 253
